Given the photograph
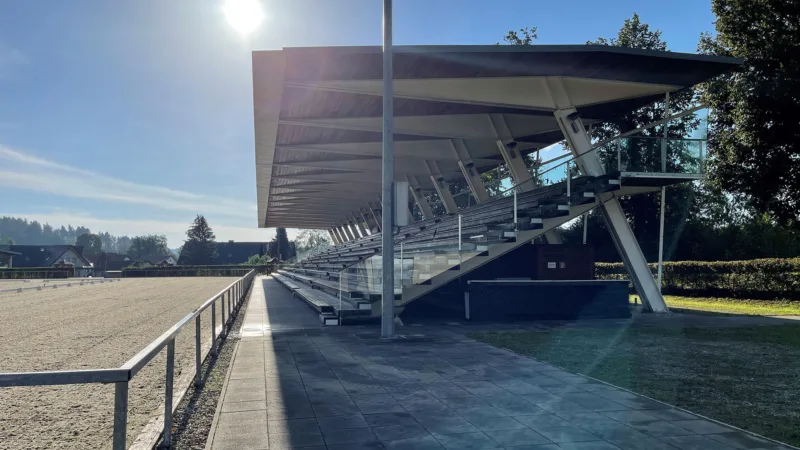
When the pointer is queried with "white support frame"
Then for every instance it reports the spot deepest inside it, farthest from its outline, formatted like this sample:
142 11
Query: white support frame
375 215
419 197
348 232
511 155
471 174
334 239
360 226
442 187
589 162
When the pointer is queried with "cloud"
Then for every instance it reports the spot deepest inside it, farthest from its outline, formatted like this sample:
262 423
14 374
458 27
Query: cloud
10 59
175 231
29 172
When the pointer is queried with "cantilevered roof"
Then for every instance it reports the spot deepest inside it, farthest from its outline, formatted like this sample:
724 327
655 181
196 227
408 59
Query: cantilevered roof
318 113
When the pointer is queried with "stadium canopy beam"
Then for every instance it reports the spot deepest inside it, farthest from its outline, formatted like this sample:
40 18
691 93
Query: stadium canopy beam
471 174
360 225
375 215
419 197
442 187
511 155
589 162
334 239
318 113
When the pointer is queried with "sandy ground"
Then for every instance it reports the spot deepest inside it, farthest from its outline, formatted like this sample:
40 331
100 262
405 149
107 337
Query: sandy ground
82 327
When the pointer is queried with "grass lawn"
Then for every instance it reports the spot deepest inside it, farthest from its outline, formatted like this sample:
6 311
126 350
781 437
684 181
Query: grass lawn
733 305
746 376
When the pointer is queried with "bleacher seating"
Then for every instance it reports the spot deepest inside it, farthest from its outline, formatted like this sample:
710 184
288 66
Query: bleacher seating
481 226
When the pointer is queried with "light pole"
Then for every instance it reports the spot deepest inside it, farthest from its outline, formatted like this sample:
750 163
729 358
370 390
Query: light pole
387 200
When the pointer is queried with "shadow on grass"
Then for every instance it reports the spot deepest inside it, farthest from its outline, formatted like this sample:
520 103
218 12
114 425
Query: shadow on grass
748 376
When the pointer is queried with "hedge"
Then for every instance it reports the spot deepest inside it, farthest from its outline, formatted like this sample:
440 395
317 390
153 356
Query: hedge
757 279
194 271
21 273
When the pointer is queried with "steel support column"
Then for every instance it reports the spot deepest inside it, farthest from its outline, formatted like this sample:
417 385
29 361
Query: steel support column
348 232
471 174
511 155
552 237
360 225
354 228
442 188
589 162
333 237
375 215
419 198
387 166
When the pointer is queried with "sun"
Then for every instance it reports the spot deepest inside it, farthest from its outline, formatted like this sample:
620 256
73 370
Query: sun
243 15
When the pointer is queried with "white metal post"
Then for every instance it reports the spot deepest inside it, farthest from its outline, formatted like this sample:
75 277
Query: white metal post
214 326
515 211
663 195
168 390
198 361
387 199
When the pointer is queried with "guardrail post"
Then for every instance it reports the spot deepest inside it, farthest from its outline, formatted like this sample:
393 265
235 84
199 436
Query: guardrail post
214 327
230 305
120 415
222 312
198 362
167 440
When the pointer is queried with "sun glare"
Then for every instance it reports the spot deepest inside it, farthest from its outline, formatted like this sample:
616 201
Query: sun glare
243 15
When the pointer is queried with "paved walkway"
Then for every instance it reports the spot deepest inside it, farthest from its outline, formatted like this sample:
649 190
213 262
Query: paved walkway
295 385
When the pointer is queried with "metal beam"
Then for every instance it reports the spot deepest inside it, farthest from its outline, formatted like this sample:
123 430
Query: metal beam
589 162
552 237
333 237
511 155
442 188
360 225
471 174
375 215
419 197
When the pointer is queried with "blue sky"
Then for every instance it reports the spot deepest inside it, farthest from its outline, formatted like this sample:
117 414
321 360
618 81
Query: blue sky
133 116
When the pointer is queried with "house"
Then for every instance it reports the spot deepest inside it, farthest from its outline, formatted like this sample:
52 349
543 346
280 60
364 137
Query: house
238 252
49 256
104 261
8 257
158 260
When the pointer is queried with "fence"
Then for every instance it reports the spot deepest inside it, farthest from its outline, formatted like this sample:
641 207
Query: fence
121 376
194 271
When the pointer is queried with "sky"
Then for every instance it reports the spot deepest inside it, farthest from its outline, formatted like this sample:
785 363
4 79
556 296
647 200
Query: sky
133 116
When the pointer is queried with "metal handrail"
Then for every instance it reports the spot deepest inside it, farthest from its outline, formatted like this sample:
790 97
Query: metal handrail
121 376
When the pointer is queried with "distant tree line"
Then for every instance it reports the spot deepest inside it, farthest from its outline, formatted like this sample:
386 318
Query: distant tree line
19 231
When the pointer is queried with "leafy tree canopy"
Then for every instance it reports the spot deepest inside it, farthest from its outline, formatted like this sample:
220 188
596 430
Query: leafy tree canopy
754 131
91 243
143 246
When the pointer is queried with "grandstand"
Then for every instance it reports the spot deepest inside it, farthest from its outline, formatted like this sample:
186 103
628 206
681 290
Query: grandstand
459 112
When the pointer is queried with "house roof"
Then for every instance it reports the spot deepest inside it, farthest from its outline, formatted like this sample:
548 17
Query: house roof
43 255
318 113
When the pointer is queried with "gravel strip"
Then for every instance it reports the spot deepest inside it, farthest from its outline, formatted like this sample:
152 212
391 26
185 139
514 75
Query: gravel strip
194 415
96 326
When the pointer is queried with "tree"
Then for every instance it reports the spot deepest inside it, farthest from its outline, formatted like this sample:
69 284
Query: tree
279 247
754 131
312 240
150 245
91 243
199 247
525 36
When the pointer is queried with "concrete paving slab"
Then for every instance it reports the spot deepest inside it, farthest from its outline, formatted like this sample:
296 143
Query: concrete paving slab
295 384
